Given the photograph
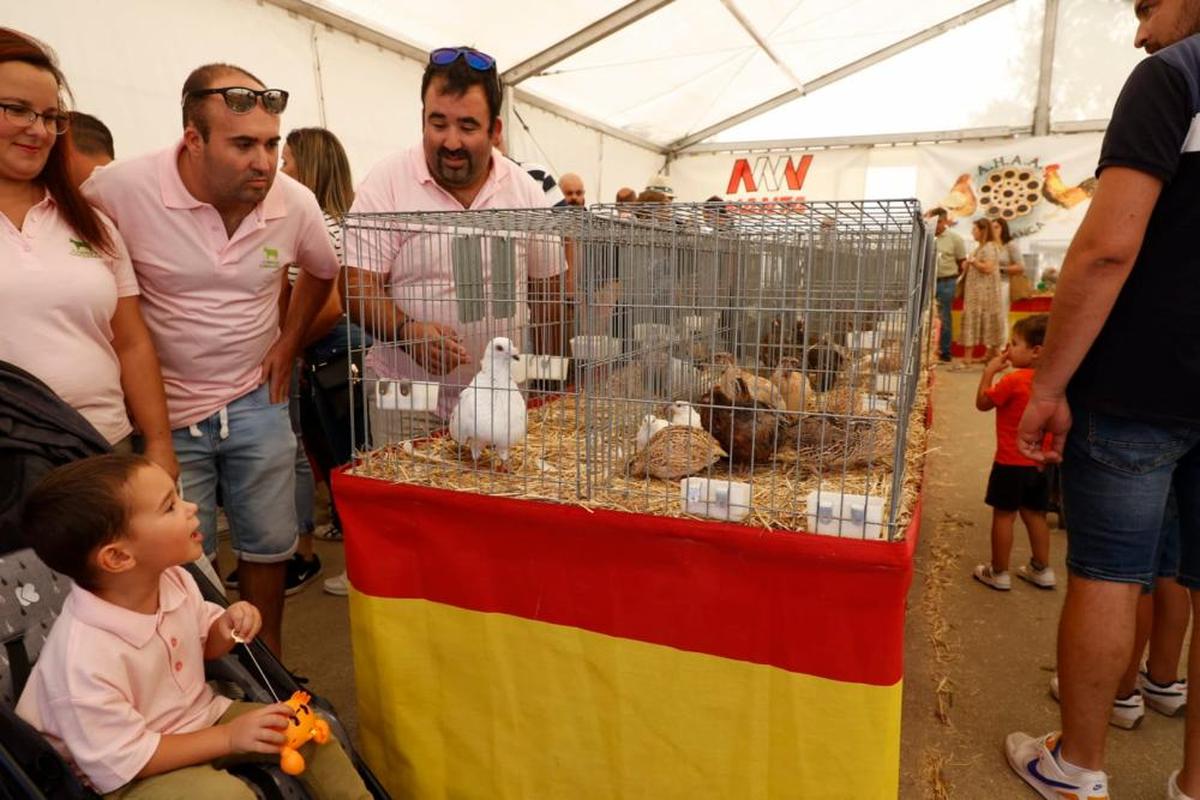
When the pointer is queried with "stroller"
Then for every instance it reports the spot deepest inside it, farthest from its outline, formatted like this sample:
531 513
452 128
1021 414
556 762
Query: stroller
37 433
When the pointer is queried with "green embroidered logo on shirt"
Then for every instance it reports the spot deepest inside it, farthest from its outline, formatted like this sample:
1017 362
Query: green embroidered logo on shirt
82 249
270 258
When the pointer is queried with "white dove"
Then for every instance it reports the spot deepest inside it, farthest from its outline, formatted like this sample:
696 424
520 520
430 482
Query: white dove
684 415
650 426
491 410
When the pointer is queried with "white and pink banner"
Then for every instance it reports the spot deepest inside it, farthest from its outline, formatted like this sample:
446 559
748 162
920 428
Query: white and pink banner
1041 185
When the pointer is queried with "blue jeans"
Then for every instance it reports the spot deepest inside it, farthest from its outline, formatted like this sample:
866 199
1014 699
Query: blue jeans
249 449
1118 475
945 298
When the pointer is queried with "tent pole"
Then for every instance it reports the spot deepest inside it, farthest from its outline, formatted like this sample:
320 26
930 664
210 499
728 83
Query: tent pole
1041 114
508 121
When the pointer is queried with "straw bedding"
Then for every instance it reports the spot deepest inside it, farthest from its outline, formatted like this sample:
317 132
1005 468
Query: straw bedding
561 462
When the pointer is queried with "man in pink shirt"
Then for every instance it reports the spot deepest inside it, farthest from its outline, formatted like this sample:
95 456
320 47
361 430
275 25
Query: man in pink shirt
404 285
210 226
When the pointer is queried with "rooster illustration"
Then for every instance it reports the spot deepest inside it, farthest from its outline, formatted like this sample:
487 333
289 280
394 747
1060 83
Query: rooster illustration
960 203
1057 192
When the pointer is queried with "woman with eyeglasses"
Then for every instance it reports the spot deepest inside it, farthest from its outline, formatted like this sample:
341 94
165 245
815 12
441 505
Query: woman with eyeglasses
69 310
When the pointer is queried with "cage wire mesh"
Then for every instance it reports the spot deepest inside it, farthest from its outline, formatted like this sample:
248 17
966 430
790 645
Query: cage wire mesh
762 363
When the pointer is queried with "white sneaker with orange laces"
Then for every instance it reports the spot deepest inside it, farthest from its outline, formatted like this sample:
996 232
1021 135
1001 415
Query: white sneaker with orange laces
1037 762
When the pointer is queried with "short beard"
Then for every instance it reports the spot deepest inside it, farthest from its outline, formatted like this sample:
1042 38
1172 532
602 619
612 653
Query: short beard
459 177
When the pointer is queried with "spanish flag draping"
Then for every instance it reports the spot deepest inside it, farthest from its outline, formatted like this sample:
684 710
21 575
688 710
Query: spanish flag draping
513 649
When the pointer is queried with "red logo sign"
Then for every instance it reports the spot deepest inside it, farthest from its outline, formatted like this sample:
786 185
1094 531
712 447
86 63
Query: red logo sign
769 174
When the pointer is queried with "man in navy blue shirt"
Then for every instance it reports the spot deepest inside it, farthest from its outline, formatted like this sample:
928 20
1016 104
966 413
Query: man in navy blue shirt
1118 387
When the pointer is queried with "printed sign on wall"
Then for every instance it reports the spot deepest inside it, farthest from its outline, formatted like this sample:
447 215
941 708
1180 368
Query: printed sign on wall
1041 186
772 178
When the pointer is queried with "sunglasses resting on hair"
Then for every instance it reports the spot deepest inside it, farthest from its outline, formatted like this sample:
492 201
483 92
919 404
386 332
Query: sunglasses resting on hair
445 56
241 99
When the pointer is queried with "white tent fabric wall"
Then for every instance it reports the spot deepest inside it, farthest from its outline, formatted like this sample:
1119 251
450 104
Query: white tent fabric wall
605 163
689 64
127 59
685 65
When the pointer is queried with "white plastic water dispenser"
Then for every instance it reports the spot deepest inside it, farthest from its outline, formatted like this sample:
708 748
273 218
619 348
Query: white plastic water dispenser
849 516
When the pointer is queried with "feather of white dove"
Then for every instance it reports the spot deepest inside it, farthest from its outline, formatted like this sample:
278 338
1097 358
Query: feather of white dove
650 426
491 410
684 415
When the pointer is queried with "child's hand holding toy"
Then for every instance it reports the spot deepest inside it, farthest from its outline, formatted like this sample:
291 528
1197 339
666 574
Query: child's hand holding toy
240 622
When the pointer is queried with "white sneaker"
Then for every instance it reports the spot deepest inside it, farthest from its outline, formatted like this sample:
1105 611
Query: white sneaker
1036 762
1168 700
1000 581
1173 790
338 585
1126 714
1043 578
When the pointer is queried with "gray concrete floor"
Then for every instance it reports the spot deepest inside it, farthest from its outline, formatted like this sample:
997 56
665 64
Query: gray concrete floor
998 652
992 654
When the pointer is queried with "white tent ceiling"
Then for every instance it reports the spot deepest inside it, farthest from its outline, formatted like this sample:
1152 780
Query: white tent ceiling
671 72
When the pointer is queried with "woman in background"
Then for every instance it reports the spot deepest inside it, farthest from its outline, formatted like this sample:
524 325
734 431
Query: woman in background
1009 262
69 311
983 318
316 158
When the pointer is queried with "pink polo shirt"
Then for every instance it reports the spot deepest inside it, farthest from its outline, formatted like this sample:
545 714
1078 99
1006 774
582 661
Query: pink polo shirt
110 682
209 299
57 300
420 265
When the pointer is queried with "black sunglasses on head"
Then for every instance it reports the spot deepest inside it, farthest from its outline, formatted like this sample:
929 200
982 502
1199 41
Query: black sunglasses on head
445 56
241 99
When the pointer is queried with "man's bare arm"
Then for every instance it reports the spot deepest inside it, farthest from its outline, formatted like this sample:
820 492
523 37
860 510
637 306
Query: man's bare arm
1097 265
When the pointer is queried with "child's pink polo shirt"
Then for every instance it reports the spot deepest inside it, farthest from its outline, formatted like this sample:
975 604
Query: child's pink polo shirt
57 300
210 300
420 267
110 682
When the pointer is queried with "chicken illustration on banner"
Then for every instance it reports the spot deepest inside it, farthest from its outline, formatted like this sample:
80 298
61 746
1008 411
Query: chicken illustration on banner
1057 192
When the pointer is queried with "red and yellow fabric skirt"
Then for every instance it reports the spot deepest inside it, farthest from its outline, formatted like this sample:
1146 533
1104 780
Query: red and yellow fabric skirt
516 649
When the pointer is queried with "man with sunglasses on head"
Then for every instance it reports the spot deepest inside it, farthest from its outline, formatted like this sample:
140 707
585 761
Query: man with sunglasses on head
211 228
411 303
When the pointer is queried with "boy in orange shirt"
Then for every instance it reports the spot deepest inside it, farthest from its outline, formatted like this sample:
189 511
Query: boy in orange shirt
1017 485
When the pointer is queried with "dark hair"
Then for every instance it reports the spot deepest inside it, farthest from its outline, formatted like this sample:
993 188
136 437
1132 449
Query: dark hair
939 212
203 78
1032 329
90 136
77 509
460 77
1005 236
55 176
322 166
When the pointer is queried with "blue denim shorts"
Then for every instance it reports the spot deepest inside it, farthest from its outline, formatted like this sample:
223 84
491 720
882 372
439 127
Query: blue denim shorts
250 450
1118 477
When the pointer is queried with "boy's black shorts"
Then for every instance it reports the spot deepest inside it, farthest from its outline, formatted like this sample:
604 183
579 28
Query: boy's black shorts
1013 488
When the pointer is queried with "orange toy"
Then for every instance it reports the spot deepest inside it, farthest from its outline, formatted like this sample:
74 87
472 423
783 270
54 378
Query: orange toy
304 725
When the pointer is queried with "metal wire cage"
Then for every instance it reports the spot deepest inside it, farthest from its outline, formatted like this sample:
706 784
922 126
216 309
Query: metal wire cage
760 363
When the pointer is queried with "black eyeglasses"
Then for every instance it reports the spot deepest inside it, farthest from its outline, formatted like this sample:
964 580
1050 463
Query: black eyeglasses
445 56
241 100
56 122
